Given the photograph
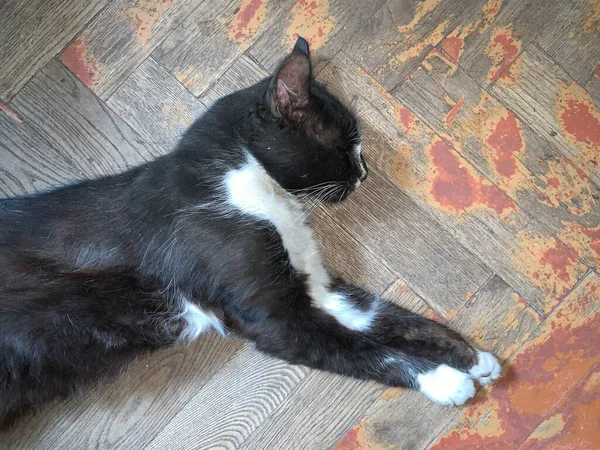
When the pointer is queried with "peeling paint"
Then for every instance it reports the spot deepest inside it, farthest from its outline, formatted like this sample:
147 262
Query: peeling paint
575 423
440 62
548 263
592 22
504 46
190 80
247 21
453 46
506 140
583 241
580 122
79 60
513 407
457 188
422 8
568 186
417 49
358 439
10 113
311 20
145 14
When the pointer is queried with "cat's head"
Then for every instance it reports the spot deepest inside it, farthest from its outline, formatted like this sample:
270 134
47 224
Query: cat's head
304 136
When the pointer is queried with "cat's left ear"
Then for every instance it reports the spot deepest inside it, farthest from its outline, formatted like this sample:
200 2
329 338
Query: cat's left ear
290 86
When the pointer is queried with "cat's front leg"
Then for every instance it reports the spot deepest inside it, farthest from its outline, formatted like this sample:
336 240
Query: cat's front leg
456 363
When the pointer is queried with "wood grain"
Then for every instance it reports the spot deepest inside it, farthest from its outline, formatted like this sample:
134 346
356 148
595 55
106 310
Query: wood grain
96 141
112 45
32 32
156 105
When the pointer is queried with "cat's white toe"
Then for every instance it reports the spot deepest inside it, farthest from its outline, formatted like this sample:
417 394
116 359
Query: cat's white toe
446 386
487 368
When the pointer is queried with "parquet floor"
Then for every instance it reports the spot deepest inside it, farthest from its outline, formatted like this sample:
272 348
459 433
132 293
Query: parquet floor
482 132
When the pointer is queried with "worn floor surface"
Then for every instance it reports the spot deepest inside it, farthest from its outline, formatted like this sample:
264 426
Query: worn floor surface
482 131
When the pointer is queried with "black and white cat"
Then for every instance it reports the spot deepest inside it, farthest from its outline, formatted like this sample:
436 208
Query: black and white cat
213 235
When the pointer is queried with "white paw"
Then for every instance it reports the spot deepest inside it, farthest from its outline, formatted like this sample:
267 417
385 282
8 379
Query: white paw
487 369
446 386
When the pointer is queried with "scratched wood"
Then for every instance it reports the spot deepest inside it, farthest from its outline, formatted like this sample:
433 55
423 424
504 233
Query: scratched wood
112 45
189 52
32 32
327 25
155 105
404 419
550 192
593 85
399 35
96 141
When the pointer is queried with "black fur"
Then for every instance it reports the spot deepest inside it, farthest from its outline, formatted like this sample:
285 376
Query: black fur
92 275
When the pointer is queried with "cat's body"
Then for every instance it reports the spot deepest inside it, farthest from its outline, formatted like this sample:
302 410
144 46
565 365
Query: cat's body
210 236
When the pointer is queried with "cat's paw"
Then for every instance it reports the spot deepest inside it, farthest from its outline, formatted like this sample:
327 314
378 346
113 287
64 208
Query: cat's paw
487 368
446 386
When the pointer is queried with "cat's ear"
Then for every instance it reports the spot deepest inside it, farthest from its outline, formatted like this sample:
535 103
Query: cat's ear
290 85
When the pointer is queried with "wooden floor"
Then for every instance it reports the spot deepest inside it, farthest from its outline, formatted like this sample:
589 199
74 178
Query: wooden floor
482 132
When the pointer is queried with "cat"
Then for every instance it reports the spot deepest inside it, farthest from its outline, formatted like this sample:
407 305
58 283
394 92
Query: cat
213 235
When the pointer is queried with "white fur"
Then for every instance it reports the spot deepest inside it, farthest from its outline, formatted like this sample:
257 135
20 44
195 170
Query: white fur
363 169
198 321
347 314
487 369
252 191
446 386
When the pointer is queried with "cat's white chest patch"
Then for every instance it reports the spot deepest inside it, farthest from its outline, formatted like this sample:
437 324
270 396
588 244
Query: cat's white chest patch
252 191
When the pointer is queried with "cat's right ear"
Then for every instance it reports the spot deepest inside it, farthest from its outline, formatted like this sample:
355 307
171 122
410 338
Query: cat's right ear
290 86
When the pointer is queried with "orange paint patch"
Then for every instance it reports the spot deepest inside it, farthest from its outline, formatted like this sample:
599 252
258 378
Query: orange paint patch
568 186
549 264
454 111
457 188
404 118
357 439
312 21
78 59
248 20
145 14
514 407
575 423
580 121
506 140
453 46
438 61
583 241
504 46
190 80
10 113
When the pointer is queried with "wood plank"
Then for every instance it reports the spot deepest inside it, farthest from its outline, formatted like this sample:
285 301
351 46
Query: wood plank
155 105
316 414
571 38
409 242
232 404
486 45
28 162
574 422
465 203
393 42
405 419
550 192
555 106
131 411
189 52
32 32
548 365
327 25
243 73
67 114
112 45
